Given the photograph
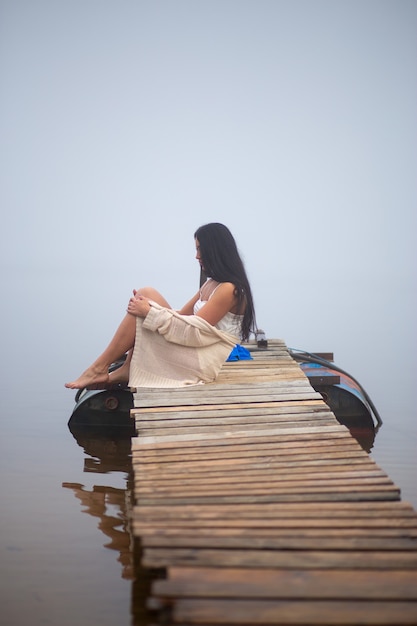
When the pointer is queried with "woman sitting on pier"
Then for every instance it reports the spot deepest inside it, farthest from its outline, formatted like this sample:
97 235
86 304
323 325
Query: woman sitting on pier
168 348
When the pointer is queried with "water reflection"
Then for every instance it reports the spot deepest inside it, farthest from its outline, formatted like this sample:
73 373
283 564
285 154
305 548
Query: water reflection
362 429
98 503
108 450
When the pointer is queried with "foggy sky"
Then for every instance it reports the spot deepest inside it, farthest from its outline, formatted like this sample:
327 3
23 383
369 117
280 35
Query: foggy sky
126 125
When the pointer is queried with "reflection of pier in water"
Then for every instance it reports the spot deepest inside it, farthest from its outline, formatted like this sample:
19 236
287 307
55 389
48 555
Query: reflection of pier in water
362 429
97 503
108 504
108 450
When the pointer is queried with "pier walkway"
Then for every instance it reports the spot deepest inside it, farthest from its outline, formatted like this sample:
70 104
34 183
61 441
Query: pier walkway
260 508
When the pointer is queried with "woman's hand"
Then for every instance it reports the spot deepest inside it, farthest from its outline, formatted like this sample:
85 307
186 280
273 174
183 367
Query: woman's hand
138 306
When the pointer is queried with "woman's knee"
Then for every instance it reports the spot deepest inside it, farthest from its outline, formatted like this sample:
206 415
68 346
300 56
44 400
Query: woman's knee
153 294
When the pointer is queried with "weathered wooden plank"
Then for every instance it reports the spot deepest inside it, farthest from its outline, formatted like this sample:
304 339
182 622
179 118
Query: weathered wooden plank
225 427
267 468
266 373
290 438
295 449
340 536
242 477
234 417
254 485
275 396
298 525
218 413
255 490
229 529
302 515
170 428
254 373
365 494
274 363
281 395
225 390
215 540
316 403
275 433
276 409
329 510
353 510
199 394
313 613
286 458
279 583
236 434
294 559
224 415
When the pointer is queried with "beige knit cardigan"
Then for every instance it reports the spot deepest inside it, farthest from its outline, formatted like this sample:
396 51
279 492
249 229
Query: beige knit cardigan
173 350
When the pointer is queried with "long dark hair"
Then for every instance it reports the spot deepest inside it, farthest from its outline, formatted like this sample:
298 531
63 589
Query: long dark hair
221 261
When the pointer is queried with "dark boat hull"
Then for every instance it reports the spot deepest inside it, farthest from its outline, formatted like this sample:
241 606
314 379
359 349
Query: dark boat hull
110 408
105 407
343 394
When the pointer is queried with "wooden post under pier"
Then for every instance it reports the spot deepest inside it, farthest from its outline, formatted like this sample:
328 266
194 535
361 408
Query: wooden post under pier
263 509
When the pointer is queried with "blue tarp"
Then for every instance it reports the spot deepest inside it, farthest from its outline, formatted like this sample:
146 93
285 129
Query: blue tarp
239 353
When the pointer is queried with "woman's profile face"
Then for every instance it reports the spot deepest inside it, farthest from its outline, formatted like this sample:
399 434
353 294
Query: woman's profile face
198 254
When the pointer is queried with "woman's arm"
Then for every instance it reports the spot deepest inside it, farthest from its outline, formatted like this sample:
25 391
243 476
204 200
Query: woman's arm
185 330
139 305
221 302
188 309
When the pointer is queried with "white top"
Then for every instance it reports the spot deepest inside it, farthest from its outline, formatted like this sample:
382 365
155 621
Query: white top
230 323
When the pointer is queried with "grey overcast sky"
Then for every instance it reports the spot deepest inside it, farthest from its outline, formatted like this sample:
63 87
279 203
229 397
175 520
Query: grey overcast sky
127 124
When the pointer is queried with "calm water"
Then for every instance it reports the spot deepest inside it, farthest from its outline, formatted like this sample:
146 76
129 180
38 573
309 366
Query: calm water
65 548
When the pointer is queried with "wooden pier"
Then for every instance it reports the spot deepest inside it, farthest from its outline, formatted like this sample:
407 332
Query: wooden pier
260 508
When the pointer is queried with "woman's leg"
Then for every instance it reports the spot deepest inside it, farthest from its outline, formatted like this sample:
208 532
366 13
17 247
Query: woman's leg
98 372
153 294
122 342
121 375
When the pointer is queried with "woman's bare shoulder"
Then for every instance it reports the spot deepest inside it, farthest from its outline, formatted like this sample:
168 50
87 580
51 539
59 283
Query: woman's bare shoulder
224 291
227 287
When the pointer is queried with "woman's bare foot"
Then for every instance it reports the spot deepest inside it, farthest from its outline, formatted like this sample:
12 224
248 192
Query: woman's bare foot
90 378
